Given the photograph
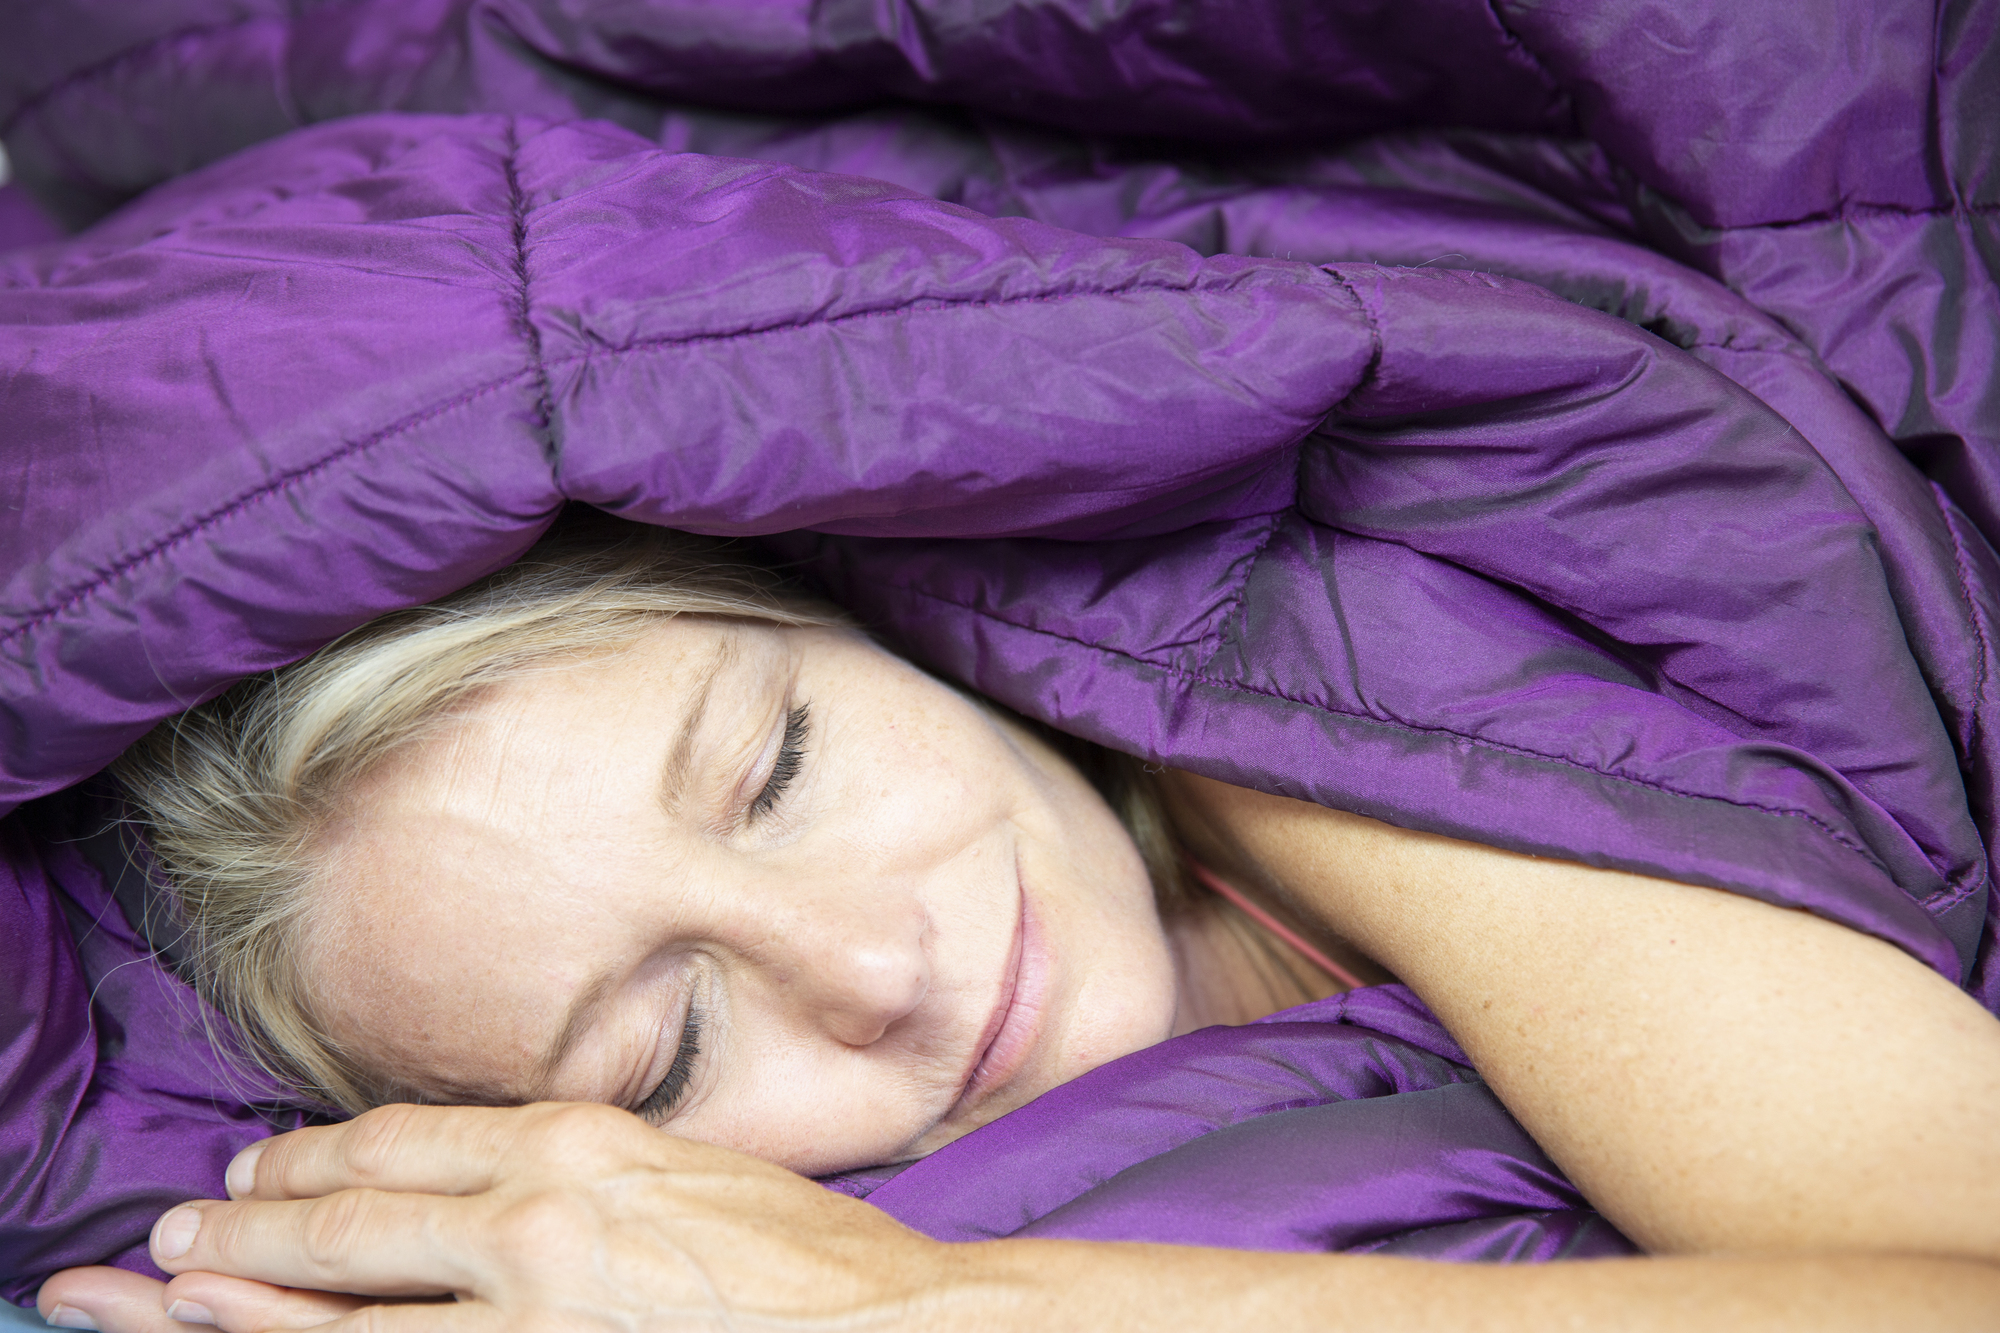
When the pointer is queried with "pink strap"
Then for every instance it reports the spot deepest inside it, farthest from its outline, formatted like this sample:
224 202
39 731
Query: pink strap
1265 919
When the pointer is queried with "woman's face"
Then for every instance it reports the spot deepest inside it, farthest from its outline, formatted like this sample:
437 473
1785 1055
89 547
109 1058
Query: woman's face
775 889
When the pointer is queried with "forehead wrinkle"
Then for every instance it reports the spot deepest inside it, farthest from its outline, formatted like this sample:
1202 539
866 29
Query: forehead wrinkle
461 765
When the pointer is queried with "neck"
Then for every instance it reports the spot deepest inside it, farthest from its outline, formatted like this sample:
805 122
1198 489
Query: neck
1232 970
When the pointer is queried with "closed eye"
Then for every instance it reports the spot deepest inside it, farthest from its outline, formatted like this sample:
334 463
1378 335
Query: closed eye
791 757
662 1100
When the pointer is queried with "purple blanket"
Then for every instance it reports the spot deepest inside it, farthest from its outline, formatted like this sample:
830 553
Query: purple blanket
1352 1124
1572 428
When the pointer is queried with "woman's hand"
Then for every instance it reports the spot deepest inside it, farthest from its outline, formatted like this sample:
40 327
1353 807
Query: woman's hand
570 1216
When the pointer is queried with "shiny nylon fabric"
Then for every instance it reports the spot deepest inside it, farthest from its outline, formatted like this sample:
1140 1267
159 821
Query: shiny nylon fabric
1353 1124
1835 163
1638 577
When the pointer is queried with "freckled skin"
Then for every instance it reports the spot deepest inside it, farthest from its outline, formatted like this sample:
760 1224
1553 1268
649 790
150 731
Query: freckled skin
855 941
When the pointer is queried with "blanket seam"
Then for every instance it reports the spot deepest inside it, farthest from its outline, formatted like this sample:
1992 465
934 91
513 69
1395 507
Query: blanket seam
1935 142
1850 211
1958 556
1832 833
1977 721
1846 213
1730 345
921 305
1535 62
543 414
1376 347
1238 601
123 564
283 481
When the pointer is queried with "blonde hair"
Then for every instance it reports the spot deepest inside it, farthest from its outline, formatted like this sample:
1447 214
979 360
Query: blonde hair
234 795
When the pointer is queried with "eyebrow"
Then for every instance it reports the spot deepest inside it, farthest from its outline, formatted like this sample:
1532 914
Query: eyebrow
582 1011
673 790
680 757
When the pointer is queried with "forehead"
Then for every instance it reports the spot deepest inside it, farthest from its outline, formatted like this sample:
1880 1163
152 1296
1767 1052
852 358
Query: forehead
522 737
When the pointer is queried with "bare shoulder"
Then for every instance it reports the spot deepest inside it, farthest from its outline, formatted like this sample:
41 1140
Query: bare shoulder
1715 1072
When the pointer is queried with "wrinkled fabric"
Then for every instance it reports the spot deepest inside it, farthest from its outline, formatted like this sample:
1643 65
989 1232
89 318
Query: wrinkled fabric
22 221
1834 163
1353 1124
81 980
1566 427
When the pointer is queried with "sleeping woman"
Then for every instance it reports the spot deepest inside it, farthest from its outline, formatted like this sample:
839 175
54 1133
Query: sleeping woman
664 888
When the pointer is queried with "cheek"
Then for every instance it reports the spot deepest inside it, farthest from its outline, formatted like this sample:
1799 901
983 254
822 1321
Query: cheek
1118 987
916 783
816 1111
1125 1001
1121 987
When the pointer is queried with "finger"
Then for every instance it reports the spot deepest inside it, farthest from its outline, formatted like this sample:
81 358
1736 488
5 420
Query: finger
455 1317
240 1305
411 1149
364 1241
431 1149
110 1299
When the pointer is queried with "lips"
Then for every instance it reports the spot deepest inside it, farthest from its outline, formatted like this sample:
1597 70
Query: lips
1009 1035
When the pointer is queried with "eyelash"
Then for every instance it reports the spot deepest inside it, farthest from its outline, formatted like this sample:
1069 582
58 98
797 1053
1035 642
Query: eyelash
660 1103
791 757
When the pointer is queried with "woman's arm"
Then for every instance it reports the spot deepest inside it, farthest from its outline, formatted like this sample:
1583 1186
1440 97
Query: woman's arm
1715 1073
582 1217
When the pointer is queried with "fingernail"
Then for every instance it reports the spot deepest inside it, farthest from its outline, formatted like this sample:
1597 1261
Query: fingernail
190 1312
68 1316
173 1235
241 1178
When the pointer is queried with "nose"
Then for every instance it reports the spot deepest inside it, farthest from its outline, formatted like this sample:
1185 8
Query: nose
864 990
853 963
